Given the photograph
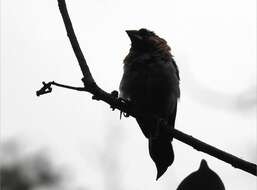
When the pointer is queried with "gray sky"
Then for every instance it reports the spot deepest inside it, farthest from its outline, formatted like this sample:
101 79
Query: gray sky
214 44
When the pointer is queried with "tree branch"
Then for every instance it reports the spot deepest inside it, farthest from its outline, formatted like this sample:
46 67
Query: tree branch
99 94
74 42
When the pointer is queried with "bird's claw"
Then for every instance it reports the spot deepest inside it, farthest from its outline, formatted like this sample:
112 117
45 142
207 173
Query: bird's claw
122 112
115 95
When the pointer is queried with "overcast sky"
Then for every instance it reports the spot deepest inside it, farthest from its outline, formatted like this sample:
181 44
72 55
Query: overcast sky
214 44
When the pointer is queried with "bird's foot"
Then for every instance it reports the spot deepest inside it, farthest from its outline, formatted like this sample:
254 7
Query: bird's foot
115 95
127 102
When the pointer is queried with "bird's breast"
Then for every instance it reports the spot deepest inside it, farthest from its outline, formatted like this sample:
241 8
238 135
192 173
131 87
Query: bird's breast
152 87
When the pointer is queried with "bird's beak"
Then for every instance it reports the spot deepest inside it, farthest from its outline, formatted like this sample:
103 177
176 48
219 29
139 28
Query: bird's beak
134 35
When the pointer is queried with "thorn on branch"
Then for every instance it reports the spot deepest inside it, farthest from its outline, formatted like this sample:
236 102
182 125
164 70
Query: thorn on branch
95 97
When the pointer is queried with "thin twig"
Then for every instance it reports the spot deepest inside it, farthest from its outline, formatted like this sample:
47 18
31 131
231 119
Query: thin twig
99 94
47 88
74 42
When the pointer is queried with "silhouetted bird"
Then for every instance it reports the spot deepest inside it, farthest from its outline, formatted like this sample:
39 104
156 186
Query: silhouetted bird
202 179
151 82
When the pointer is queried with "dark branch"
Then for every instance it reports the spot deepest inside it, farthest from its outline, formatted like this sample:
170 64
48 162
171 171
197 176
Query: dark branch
74 42
99 94
217 153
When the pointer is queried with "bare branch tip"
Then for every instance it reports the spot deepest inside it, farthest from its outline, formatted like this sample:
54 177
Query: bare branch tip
45 89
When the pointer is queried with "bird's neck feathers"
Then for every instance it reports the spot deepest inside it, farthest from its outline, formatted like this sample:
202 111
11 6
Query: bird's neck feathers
160 50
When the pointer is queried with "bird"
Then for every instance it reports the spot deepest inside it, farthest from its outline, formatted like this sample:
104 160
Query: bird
150 82
202 179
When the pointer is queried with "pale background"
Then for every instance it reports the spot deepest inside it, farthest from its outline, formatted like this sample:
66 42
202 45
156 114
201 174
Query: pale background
214 44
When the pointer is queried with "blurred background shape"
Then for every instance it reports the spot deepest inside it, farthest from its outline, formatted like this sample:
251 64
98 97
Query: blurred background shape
21 170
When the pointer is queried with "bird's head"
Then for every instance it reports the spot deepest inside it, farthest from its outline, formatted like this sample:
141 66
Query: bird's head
144 40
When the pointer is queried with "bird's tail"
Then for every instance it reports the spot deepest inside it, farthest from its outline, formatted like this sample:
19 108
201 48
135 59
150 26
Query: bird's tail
162 154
